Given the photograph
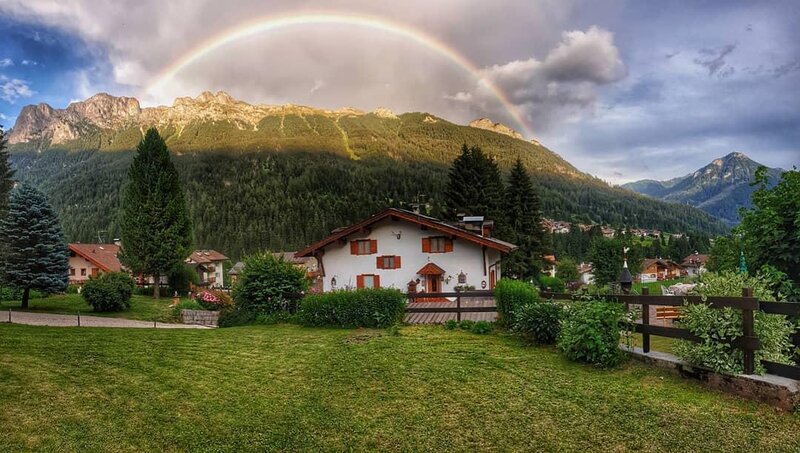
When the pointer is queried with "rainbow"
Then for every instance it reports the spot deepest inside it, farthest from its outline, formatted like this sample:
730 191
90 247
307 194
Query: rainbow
277 22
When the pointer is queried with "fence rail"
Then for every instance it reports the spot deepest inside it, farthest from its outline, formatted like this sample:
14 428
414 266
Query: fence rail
749 343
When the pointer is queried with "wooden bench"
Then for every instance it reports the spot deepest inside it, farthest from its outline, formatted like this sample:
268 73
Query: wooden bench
665 313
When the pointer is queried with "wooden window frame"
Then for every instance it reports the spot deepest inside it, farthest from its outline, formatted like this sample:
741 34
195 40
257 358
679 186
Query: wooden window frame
376 281
357 247
446 244
396 262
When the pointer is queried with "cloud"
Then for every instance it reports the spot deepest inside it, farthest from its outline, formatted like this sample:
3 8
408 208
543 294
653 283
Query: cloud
714 60
564 83
13 89
29 63
6 62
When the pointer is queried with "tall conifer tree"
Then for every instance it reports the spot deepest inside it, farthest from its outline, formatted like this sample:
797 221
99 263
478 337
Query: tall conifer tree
6 173
524 217
156 232
475 187
33 243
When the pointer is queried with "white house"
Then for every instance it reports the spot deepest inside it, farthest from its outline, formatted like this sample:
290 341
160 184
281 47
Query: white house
586 271
208 264
90 260
695 264
409 251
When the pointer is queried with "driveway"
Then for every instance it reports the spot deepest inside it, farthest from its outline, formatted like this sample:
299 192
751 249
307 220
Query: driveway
50 319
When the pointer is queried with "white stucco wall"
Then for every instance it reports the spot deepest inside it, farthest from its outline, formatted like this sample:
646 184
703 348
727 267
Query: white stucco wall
78 262
466 257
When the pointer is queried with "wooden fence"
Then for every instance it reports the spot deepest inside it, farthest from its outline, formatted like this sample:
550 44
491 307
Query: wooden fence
749 305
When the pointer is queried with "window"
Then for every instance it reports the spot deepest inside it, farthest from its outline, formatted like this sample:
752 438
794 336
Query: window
83 272
363 247
437 244
72 271
388 262
368 281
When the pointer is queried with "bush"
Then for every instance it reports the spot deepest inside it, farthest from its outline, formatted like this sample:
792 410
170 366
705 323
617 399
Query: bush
268 284
590 332
214 300
109 291
481 327
451 324
185 304
717 328
466 324
539 322
553 284
375 307
509 295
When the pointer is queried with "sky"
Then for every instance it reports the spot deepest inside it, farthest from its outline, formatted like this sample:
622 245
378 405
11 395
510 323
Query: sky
623 90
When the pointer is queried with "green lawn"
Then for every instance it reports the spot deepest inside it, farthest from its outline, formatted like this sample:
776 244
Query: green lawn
300 389
142 307
655 287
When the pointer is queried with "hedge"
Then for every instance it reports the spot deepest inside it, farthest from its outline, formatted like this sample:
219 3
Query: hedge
509 296
375 307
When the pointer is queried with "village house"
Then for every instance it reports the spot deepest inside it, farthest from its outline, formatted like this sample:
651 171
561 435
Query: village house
89 260
411 252
695 264
657 269
586 272
209 267
550 265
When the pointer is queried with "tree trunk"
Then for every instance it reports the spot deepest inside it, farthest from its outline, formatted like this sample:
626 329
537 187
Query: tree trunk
157 288
26 293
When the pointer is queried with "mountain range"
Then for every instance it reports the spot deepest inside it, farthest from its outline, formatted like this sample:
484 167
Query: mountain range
280 176
720 188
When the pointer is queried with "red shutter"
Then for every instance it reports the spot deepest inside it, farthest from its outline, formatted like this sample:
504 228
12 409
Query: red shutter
379 262
426 245
448 245
373 246
377 281
354 247
359 281
397 262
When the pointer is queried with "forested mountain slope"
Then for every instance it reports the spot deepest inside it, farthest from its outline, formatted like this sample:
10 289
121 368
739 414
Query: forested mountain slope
284 179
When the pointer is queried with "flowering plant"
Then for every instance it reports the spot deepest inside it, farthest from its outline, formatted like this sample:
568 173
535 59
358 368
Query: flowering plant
214 300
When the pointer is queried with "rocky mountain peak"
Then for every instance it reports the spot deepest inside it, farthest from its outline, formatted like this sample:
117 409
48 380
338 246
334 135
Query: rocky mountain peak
384 112
489 125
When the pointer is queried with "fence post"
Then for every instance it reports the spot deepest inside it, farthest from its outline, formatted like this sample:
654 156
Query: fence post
79 318
9 316
646 322
458 306
748 326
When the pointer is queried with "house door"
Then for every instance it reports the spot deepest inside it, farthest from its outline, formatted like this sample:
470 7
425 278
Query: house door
434 284
492 278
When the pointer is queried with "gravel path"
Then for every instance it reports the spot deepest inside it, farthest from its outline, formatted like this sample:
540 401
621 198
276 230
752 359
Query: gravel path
50 319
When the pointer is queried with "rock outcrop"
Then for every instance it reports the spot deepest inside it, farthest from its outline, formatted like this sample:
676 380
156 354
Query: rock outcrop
489 125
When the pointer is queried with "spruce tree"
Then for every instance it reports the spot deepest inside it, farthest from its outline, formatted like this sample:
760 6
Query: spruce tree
524 222
156 233
475 187
6 173
33 242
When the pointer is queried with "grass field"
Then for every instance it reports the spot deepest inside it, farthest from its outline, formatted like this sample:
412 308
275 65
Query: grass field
655 287
292 388
142 307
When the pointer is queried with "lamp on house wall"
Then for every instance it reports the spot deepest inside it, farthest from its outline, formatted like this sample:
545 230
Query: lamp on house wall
333 282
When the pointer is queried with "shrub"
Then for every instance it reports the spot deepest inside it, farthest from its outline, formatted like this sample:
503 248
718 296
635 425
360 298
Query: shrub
451 324
265 283
509 295
481 327
539 322
717 328
109 291
214 300
185 304
553 284
466 324
590 332
375 307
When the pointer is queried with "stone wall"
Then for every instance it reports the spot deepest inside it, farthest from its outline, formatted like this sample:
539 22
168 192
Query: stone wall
201 317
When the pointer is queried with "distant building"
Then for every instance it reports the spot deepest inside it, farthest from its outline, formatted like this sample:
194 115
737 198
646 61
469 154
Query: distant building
209 267
586 272
550 264
657 269
89 260
695 264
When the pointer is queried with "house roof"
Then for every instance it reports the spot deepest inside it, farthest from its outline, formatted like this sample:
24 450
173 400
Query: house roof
291 257
695 259
430 269
104 256
430 222
237 268
650 261
206 256
585 267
